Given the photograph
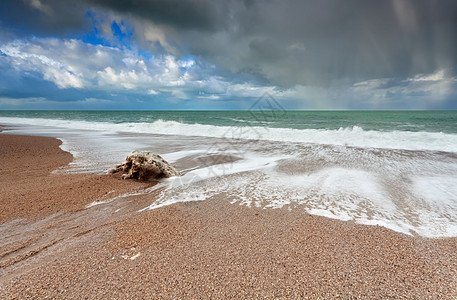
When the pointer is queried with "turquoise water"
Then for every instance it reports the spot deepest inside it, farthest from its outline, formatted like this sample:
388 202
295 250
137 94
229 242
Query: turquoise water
414 121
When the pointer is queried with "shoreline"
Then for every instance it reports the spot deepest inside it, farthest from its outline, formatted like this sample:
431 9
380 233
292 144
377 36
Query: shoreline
32 191
210 248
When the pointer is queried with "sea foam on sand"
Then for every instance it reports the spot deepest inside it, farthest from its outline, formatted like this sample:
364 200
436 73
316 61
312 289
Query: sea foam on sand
408 191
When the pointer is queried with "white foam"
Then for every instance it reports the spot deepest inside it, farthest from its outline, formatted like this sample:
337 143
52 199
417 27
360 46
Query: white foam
174 200
437 204
437 191
174 156
412 192
189 189
354 136
339 193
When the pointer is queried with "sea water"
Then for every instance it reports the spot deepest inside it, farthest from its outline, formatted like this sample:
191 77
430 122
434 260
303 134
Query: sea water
396 169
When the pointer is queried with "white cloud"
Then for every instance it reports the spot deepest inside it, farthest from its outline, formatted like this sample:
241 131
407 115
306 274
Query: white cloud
248 90
74 64
297 46
422 91
152 36
94 101
43 103
210 97
437 76
31 58
18 102
186 63
40 6
124 78
62 78
370 84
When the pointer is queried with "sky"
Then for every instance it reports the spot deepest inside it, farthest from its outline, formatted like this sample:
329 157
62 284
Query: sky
226 54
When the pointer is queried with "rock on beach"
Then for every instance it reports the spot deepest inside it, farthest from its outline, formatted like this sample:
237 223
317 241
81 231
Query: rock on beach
143 165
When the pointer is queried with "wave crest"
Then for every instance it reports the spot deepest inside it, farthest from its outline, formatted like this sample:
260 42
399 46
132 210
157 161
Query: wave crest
354 136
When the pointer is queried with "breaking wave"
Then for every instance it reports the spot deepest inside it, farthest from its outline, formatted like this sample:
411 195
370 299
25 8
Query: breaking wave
350 136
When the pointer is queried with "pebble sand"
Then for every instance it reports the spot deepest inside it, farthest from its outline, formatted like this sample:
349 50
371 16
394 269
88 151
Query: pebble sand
207 249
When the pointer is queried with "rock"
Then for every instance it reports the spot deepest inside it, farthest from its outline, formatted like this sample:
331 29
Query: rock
145 165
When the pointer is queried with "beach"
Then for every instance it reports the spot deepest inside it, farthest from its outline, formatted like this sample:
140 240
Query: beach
29 190
54 246
228 149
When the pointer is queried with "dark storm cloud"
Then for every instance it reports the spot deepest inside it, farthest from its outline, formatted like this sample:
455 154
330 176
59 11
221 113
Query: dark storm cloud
324 54
189 14
286 42
43 16
309 42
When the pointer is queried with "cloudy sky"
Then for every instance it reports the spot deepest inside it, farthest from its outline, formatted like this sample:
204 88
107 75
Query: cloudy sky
224 54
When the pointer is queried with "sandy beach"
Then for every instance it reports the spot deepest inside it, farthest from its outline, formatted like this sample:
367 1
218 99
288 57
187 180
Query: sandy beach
53 246
29 190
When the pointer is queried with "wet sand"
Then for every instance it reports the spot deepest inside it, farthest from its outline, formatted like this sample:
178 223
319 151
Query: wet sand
29 190
192 250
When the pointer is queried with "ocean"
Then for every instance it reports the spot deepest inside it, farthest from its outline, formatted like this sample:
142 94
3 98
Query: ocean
396 169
